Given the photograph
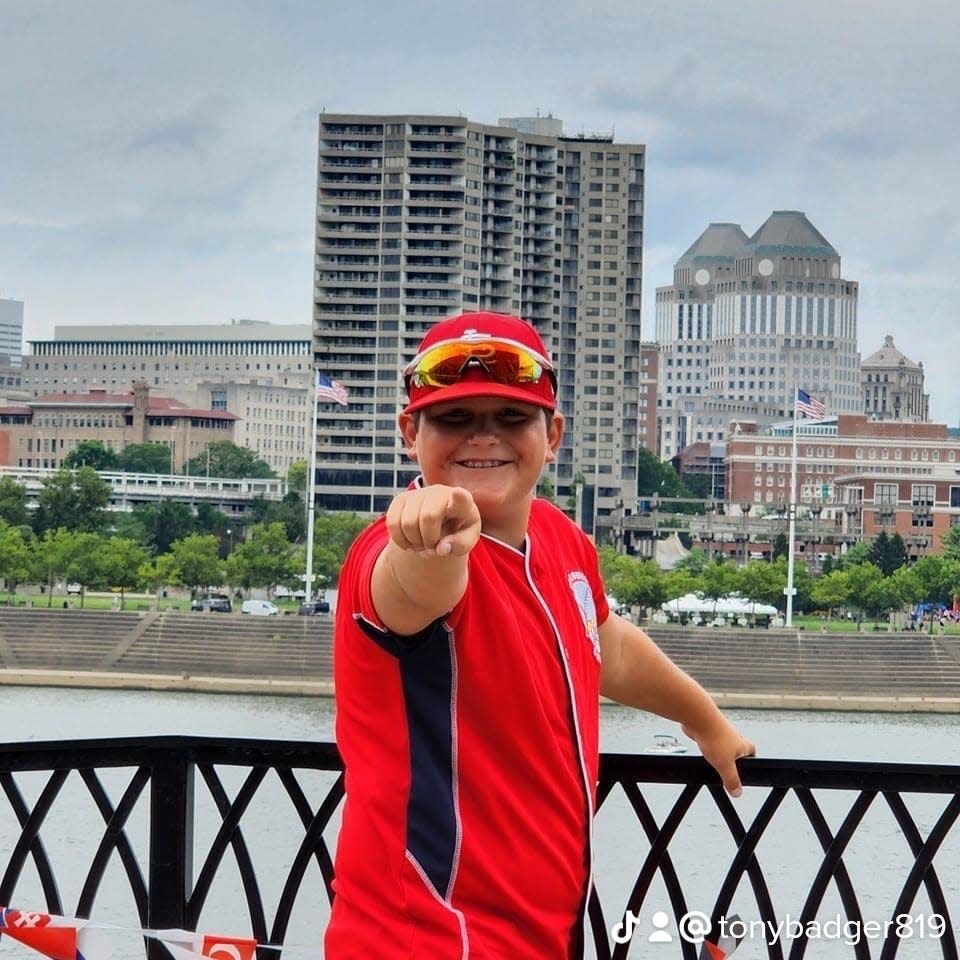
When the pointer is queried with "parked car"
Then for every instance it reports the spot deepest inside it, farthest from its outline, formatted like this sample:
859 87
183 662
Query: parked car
259 608
314 606
213 604
74 588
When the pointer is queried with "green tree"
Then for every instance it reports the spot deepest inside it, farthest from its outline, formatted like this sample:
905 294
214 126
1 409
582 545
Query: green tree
546 488
290 511
802 583
780 546
198 560
698 485
939 577
909 586
211 520
297 478
632 582
888 553
13 503
679 582
84 551
761 582
332 535
119 561
718 580
50 555
265 560
831 590
91 453
165 523
695 562
655 477
898 556
162 571
150 457
15 565
857 554
951 543
73 499
864 579
131 526
225 459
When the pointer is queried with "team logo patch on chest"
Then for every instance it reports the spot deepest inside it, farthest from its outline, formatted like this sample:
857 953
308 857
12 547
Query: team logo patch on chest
580 587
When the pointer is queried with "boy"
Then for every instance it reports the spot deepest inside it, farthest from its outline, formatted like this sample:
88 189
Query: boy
473 643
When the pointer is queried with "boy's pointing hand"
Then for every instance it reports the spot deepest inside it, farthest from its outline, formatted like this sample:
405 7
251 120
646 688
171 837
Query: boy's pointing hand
436 520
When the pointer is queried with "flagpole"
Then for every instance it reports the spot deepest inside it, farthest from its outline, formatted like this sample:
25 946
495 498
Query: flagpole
311 492
789 591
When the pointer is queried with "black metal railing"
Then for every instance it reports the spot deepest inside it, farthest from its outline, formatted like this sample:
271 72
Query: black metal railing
169 820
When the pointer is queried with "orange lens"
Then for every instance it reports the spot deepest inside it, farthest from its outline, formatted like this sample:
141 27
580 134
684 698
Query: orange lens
503 362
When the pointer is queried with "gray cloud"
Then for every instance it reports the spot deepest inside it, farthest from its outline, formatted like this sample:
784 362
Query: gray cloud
158 162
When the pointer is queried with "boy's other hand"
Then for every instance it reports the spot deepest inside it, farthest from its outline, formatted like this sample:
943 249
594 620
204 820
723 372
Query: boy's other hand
436 521
722 745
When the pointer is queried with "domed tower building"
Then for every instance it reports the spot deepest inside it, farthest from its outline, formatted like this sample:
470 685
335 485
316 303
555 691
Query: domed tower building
782 317
891 385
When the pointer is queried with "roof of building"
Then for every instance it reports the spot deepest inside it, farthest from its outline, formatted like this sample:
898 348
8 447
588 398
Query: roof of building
790 232
240 330
720 241
889 356
16 410
156 406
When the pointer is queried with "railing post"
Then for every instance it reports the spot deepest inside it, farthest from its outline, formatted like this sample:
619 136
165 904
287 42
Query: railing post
171 845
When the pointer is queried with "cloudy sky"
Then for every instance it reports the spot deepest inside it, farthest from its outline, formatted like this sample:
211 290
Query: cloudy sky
157 160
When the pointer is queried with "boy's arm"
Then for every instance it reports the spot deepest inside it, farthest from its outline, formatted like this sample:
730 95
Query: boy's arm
637 673
422 572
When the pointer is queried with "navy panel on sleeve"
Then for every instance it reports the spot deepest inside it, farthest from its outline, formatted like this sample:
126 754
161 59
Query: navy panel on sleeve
427 676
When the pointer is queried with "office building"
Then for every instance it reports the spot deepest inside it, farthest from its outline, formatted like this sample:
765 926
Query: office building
11 331
748 321
422 217
262 372
891 385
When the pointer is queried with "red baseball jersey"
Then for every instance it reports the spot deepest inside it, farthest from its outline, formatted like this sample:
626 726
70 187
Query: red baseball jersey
471 755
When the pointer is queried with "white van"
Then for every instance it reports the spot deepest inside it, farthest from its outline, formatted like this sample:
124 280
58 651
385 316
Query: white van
259 608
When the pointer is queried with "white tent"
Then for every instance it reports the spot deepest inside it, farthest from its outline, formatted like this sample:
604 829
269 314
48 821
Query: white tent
733 605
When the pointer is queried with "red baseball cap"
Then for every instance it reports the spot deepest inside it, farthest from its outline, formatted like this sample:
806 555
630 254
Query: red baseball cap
474 381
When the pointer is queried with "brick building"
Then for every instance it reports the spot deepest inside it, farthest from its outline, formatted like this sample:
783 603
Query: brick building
862 476
41 432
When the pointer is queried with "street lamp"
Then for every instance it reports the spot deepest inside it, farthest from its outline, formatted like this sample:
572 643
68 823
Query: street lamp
815 510
745 508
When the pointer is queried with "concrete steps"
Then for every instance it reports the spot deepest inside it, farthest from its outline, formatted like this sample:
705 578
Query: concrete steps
54 638
786 662
233 645
290 648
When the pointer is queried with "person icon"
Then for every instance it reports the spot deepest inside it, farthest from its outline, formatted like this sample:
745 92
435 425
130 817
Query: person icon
660 935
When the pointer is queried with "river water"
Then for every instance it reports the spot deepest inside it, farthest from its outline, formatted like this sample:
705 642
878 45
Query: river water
878 859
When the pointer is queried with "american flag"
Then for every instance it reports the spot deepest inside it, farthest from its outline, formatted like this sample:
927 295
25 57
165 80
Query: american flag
332 391
809 406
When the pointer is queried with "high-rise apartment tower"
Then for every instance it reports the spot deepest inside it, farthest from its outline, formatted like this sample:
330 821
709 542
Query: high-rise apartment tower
422 217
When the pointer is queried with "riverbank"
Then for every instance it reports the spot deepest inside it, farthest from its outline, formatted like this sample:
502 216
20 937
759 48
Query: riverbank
293 656
101 680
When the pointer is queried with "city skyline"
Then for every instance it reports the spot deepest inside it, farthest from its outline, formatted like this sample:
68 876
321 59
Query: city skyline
169 177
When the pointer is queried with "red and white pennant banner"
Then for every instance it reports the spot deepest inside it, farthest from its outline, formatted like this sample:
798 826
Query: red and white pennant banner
71 938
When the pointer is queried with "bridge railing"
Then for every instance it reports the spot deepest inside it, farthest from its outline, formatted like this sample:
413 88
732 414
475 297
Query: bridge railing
236 837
